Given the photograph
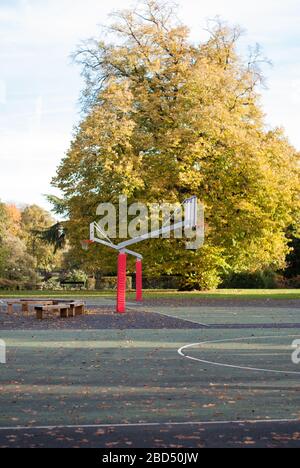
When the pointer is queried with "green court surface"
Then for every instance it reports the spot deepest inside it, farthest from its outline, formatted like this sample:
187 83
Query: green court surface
67 378
233 315
83 379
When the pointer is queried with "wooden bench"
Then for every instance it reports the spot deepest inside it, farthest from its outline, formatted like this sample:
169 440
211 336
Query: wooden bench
71 309
73 283
77 308
25 303
62 309
10 305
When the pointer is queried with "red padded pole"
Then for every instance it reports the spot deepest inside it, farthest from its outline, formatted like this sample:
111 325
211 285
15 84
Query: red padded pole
139 281
121 292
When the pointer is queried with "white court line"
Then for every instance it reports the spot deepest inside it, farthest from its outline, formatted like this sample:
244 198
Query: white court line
178 318
231 366
256 354
167 424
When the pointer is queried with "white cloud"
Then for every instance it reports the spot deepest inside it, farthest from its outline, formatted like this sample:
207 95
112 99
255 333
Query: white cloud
54 22
28 162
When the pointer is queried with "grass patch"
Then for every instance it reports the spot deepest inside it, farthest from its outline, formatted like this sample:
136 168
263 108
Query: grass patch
226 294
78 294
158 294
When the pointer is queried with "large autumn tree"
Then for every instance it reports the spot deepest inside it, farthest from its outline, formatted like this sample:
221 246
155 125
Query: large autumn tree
166 118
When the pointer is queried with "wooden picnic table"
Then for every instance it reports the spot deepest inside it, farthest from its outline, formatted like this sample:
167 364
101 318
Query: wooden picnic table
66 310
64 307
25 303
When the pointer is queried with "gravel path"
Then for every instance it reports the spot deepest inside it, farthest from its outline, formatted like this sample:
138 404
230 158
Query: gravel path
101 316
99 319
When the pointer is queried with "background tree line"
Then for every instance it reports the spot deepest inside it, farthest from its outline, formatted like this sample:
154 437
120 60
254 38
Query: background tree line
34 252
25 259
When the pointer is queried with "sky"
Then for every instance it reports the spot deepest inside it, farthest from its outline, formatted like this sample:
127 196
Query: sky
40 87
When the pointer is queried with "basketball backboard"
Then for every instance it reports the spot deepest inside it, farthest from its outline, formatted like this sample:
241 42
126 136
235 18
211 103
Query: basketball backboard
190 213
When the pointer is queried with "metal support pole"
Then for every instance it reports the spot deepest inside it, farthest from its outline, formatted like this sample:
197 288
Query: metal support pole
139 281
121 292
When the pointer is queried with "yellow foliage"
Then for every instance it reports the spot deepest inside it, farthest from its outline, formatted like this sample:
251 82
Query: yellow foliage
166 119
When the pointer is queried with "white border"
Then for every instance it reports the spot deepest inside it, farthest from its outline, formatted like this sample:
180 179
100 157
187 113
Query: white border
156 424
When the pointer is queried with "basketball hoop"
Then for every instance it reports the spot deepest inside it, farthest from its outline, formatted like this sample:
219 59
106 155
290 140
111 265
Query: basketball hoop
85 244
193 221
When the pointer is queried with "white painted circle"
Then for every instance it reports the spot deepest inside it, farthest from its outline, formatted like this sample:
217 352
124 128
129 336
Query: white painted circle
231 366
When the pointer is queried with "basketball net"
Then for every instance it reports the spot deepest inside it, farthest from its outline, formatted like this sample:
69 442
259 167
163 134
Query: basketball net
85 244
